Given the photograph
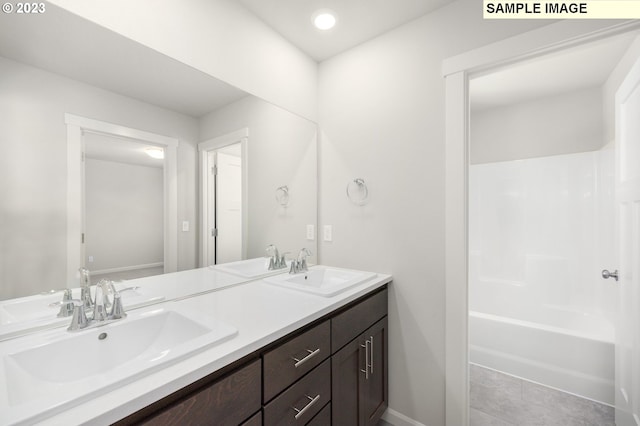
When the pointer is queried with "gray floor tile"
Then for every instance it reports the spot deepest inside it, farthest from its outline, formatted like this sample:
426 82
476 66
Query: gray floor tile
494 395
589 412
496 382
383 423
478 418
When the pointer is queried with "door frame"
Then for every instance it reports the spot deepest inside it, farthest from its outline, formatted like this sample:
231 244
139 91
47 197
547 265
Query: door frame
204 148
76 126
457 71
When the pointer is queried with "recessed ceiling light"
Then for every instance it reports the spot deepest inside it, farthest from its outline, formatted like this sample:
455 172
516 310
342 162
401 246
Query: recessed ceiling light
324 19
157 153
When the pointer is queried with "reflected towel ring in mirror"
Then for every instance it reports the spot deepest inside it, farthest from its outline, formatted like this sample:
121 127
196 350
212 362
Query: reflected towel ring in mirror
282 195
357 192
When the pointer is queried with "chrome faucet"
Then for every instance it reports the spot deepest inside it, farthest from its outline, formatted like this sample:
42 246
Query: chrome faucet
300 264
101 304
276 261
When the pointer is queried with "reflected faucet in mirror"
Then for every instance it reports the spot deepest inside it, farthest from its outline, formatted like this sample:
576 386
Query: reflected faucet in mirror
300 264
276 261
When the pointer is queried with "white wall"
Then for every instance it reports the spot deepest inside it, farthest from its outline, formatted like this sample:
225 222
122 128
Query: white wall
33 170
381 115
281 151
124 215
562 124
218 37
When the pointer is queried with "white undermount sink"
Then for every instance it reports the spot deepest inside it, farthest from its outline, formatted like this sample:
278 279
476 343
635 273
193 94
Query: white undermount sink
67 367
322 280
250 268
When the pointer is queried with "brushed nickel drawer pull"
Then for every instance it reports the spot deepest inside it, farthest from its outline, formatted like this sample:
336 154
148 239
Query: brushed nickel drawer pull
306 407
299 362
366 359
371 355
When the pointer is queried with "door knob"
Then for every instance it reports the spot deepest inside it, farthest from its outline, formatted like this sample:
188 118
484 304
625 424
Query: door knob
606 274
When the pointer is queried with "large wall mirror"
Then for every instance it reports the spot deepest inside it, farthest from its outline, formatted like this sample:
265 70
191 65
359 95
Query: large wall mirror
137 201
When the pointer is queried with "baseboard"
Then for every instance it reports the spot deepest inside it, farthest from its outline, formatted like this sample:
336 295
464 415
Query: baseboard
127 268
399 419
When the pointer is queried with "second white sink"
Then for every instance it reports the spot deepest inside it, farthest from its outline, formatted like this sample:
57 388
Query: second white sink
322 280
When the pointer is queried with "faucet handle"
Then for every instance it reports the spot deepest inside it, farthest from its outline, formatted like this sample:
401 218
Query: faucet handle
66 308
282 263
79 320
117 310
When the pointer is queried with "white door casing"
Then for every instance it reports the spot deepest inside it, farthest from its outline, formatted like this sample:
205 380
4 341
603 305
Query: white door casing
627 190
76 125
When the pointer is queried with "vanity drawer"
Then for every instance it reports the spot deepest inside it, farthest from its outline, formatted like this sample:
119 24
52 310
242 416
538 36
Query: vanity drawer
280 366
348 325
308 395
228 401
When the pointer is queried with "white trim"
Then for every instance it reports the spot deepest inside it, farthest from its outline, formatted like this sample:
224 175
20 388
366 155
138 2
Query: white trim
204 148
76 125
399 419
127 268
457 69
557 36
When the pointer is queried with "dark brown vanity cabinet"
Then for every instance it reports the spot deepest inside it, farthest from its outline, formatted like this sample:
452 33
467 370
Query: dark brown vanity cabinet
331 372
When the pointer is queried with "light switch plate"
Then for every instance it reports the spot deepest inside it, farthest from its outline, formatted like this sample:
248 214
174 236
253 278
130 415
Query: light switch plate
328 233
185 226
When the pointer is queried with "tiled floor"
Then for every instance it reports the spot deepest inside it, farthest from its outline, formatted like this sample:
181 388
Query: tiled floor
497 399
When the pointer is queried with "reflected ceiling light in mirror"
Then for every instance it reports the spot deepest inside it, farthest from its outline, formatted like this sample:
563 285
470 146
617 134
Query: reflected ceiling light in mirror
324 19
157 153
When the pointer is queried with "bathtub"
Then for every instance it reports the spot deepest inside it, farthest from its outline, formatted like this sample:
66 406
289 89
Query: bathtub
579 361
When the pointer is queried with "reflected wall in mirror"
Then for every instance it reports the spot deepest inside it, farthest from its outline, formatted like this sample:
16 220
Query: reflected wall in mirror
101 75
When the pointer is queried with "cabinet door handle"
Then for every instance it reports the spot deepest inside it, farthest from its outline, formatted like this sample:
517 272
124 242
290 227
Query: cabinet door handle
366 359
371 355
306 407
299 362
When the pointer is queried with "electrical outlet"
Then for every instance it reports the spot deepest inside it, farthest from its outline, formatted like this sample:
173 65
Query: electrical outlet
310 232
328 233
90 259
185 226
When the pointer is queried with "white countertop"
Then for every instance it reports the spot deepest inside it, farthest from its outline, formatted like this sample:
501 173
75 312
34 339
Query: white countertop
262 313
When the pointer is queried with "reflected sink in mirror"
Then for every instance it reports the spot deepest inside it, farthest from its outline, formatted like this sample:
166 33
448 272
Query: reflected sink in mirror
250 268
63 368
322 280
34 313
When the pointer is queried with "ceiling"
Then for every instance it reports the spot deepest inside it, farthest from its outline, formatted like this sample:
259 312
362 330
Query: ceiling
578 68
119 150
357 21
102 58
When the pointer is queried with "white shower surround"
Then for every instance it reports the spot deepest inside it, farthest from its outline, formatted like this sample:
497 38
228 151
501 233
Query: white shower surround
540 232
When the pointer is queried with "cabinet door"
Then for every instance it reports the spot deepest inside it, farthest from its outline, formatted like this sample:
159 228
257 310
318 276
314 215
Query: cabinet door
345 386
374 389
359 373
